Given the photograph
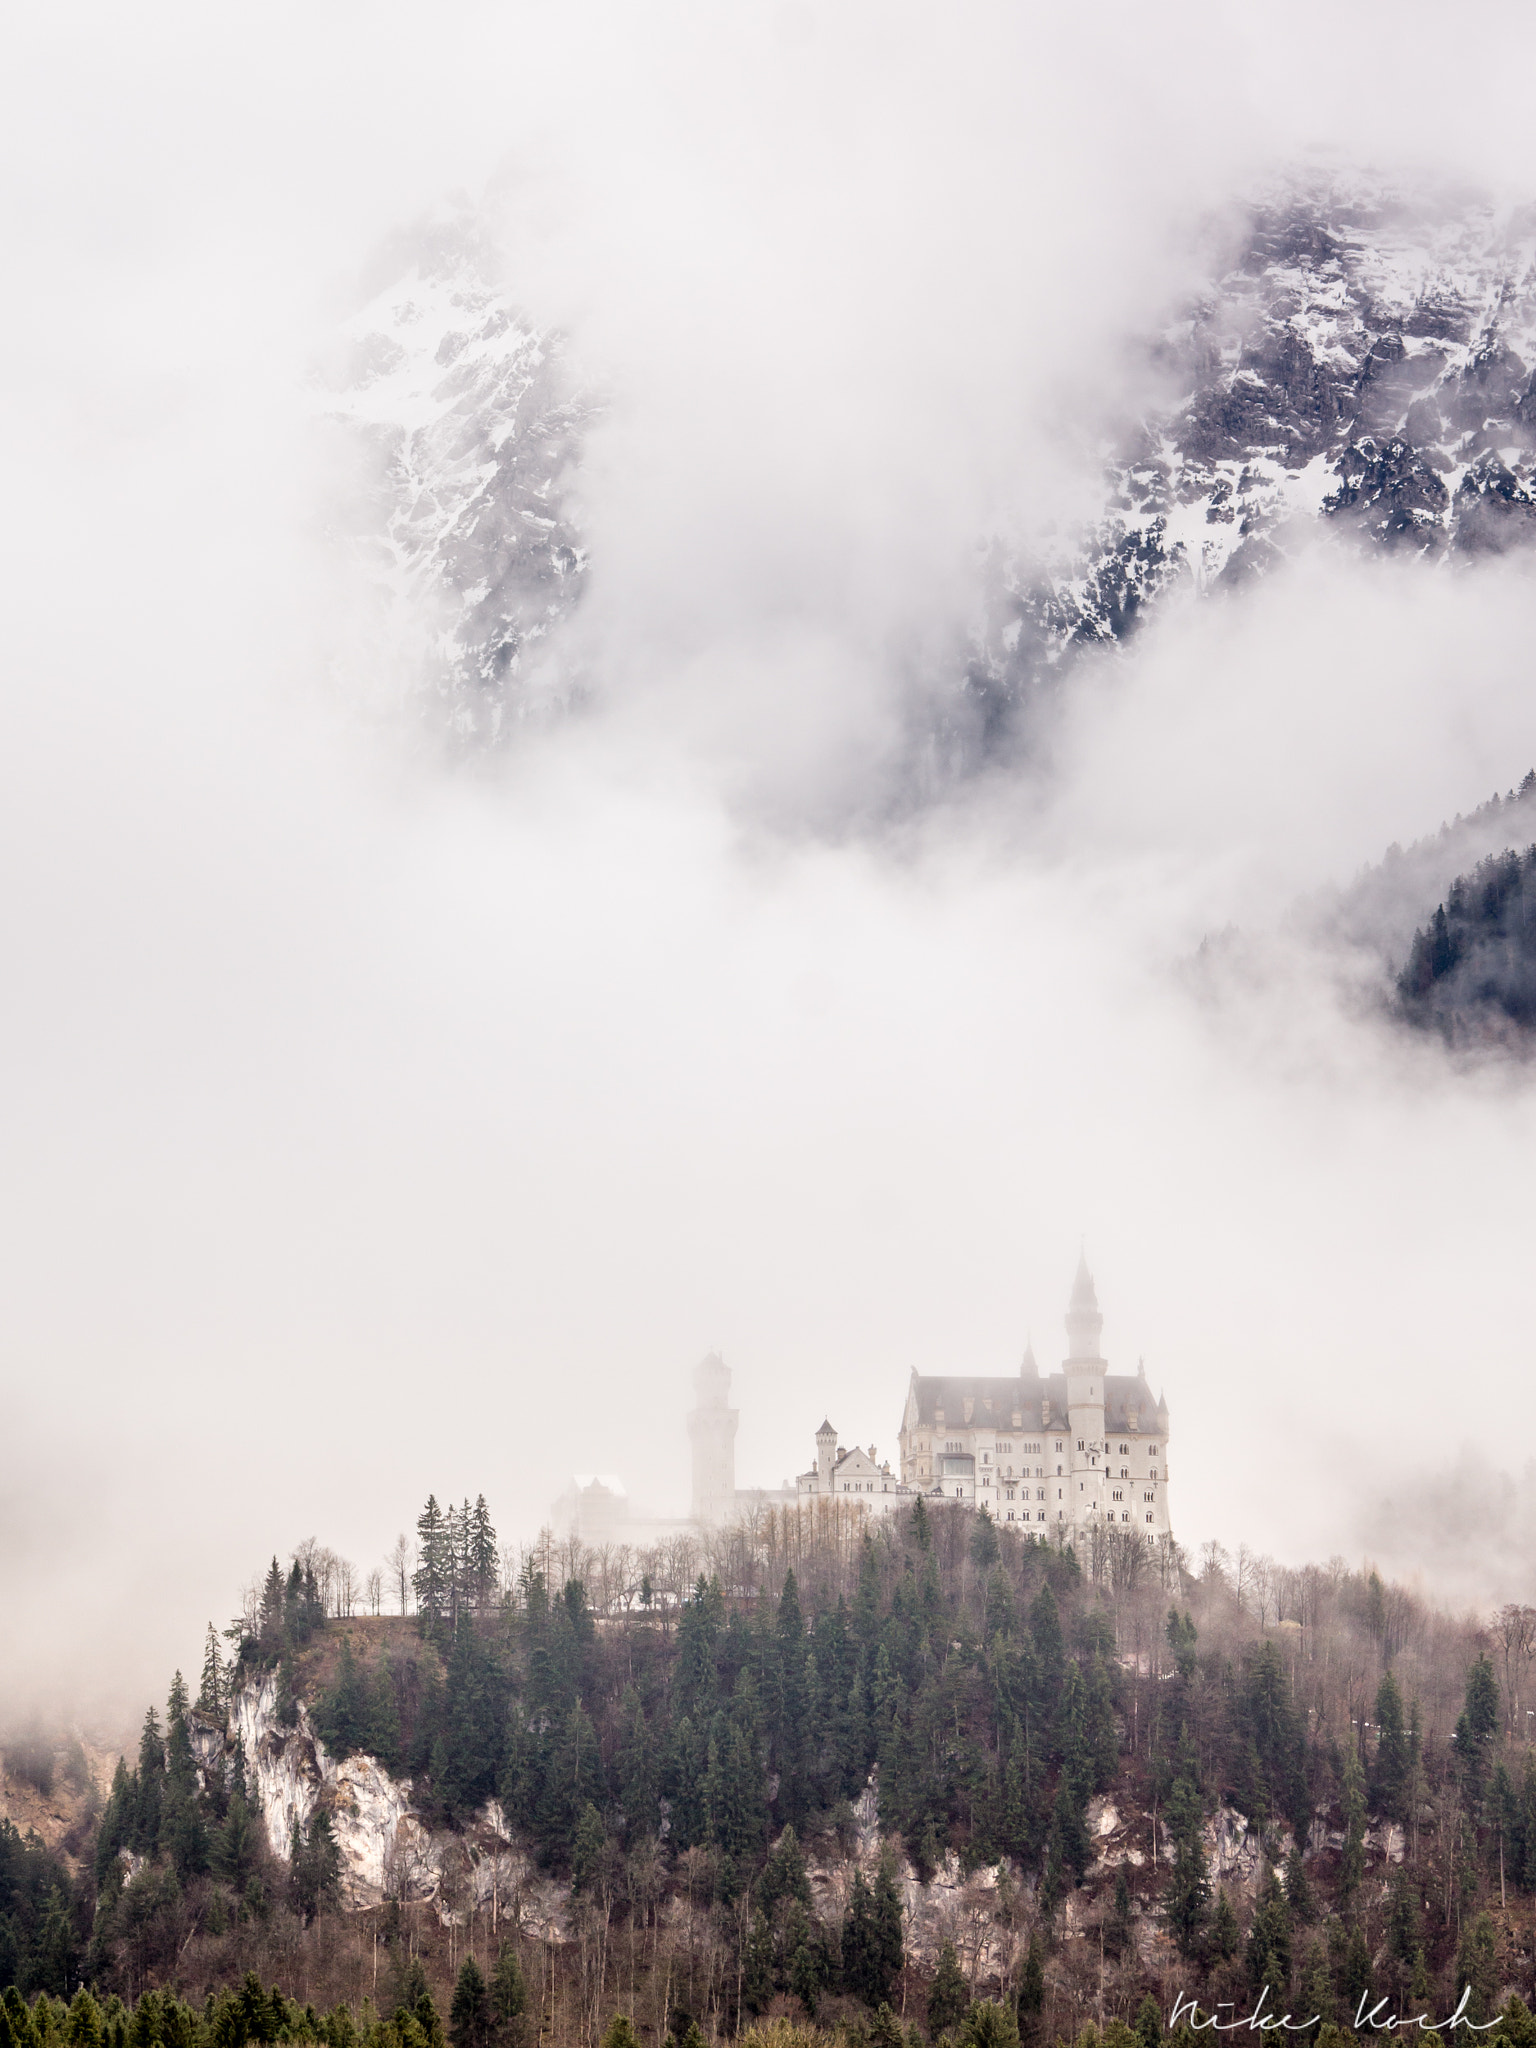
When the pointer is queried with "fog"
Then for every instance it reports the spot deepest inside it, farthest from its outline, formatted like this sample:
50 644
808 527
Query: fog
378 1123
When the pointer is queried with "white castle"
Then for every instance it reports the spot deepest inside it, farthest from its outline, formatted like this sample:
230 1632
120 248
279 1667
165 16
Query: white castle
1060 1452
1076 1449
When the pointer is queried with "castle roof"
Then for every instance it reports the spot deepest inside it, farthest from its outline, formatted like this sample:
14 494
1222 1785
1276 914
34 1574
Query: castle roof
976 1403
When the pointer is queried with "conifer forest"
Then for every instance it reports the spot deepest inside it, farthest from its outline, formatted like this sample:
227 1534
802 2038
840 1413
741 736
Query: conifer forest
809 1780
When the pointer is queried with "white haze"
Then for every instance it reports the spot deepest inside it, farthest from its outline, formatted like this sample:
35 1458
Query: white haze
373 1127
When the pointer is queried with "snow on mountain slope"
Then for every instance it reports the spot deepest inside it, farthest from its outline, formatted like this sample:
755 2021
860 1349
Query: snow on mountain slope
470 425
1364 357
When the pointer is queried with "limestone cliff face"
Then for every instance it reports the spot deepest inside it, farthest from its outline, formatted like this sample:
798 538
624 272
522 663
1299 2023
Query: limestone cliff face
387 1850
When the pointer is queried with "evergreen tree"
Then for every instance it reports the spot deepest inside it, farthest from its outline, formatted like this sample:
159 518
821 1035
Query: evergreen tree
985 1548
1224 1936
432 1579
621 2032
269 1627
1031 1994
757 1965
509 1998
587 1848
471 2020
1476 1727
1148 2027
1298 1891
989 2025
1477 1963
1117 1922
1389 1770
1352 1862
1188 1896
484 1558
212 1691
948 1998
149 1789
1269 1941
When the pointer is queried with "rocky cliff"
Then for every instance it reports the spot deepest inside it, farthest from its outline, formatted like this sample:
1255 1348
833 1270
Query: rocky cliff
388 1851
1361 355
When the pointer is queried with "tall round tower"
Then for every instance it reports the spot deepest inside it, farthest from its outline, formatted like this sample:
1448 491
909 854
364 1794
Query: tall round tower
1085 1370
712 1426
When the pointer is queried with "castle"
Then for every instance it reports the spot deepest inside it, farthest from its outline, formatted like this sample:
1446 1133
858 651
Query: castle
1077 1449
1061 1452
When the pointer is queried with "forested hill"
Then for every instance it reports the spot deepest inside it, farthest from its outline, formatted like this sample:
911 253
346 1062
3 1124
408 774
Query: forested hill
1471 972
917 1779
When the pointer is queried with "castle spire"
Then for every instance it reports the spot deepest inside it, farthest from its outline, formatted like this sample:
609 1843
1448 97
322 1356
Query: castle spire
1084 1322
1029 1370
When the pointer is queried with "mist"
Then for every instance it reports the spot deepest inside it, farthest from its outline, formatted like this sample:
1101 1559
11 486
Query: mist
380 1123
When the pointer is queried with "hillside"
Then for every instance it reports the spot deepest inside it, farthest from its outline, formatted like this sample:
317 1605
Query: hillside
913 1766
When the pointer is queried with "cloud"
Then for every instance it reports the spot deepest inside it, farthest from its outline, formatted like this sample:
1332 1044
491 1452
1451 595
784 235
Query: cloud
373 1128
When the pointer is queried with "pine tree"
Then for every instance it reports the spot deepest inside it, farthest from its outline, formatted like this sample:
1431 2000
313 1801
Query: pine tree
1149 2024
1030 2001
888 1945
1269 1941
1389 1771
484 1559
269 1627
1224 1937
1298 1891
1189 1890
985 1548
211 1692
587 1848
948 1997
859 1972
1117 1922
509 1998
1477 1959
471 2021
431 1579
757 1965
1352 1862
1476 1727
621 2032
149 1789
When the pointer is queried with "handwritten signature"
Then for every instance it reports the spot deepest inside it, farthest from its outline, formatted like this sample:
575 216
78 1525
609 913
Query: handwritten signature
1376 2016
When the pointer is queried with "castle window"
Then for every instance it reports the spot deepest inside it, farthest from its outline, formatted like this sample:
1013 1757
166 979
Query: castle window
1039 1493
1080 1443
1154 1471
1126 1516
1125 1450
1149 1518
1125 1472
1147 1496
1118 1495
1042 1514
1060 1445
1005 1447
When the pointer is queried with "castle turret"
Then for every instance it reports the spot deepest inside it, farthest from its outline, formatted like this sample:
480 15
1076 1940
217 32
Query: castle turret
1085 1394
712 1426
826 1452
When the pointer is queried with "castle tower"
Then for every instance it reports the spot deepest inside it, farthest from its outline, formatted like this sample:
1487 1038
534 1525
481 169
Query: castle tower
712 1426
1085 1371
826 1452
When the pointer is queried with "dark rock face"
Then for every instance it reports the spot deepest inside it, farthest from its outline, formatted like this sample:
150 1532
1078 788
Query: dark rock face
1362 357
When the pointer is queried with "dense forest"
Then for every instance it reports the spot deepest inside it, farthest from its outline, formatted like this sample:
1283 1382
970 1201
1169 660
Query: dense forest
1471 971
913 1781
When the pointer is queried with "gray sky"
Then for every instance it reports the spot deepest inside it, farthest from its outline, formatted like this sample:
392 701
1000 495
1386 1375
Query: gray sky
373 1128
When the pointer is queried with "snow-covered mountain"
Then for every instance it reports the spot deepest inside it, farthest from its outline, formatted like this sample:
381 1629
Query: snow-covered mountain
469 421
1362 355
